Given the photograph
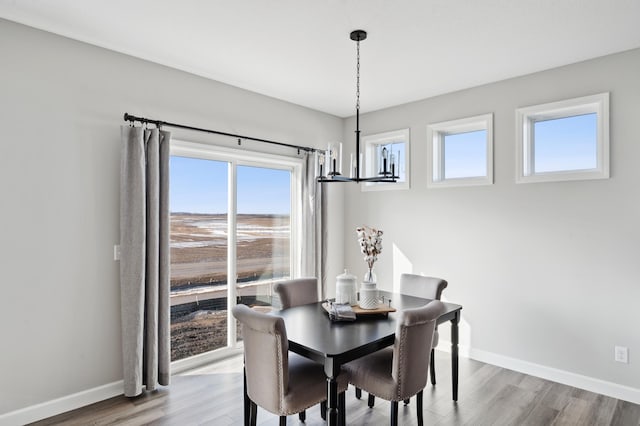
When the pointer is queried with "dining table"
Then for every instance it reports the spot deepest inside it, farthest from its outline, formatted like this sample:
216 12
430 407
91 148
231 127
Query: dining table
312 334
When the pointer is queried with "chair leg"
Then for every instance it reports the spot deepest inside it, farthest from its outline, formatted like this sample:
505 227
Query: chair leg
358 393
394 413
372 400
302 415
432 367
342 407
419 408
283 420
323 410
406 402
253 413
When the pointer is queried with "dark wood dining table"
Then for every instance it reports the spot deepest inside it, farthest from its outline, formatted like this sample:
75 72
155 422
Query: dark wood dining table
313 335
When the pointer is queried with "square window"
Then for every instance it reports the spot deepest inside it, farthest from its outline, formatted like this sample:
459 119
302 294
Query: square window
566 140
462 152
392 146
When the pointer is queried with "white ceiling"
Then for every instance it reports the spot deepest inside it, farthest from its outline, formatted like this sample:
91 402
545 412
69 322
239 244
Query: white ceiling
300 51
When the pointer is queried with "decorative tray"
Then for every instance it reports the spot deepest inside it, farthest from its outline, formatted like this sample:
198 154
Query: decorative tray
381 309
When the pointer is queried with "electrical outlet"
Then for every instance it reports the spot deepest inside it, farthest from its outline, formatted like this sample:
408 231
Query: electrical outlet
621 354
116 252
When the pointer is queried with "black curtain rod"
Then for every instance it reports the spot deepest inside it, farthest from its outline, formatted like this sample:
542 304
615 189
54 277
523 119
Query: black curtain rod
159 123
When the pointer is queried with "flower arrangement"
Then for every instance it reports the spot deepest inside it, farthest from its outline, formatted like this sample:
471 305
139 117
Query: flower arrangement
370 240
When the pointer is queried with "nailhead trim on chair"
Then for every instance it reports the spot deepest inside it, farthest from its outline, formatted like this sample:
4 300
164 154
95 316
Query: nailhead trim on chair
401 349
280 372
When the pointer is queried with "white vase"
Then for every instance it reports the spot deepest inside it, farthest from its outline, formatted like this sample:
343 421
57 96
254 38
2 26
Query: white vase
368 295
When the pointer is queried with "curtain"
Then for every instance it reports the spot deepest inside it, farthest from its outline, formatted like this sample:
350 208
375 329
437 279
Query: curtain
313 225
144 258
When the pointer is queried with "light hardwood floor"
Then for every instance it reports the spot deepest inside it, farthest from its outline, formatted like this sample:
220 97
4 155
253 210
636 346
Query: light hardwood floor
489 395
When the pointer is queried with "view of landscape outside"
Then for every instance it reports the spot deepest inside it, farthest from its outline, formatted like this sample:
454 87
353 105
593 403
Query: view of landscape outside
199 242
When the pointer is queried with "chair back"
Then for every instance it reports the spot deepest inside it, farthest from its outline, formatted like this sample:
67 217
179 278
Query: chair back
265 357
414 336
421 286
299 291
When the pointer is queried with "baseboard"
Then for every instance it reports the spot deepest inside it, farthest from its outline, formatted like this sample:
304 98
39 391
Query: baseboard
590 384
61 405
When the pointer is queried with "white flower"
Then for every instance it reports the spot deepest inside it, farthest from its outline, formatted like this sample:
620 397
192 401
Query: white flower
370 240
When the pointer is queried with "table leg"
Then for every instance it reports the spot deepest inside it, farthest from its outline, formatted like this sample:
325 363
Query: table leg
332 402
332 370
247 404
454 355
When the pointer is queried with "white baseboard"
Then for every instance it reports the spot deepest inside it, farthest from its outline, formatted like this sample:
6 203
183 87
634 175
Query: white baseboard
591 384
61 405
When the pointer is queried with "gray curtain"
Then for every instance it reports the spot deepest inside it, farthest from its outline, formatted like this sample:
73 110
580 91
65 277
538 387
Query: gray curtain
313 224
144 258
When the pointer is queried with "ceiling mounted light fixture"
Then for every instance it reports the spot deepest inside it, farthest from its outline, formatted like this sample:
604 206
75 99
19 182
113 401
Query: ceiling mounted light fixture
330 161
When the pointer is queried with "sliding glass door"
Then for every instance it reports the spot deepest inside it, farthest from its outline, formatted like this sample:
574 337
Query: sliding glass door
232 235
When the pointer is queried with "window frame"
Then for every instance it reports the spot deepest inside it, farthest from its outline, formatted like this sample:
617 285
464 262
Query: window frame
435 141
526 118
239 157
370 142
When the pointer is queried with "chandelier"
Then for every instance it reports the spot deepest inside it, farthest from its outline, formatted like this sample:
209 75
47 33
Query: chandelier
330 161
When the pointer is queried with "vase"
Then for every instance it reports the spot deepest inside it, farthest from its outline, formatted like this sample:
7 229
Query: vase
368 295
370 276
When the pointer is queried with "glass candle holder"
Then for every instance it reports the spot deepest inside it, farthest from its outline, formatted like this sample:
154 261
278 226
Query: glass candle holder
334 158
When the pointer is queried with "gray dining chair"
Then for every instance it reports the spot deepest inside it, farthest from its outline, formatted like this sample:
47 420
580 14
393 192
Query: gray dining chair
298 291
426 288
282 383
399 372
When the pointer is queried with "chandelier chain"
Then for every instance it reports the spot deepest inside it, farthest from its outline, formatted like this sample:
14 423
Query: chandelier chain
358 75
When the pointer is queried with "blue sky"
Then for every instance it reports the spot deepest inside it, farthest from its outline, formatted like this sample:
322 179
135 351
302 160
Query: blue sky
465 154
200 186
565 143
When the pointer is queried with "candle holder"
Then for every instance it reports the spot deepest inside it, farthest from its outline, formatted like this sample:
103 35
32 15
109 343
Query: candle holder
334 158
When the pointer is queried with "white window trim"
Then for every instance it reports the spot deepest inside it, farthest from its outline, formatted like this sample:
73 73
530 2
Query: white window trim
246 158
435 139
369 143
525 117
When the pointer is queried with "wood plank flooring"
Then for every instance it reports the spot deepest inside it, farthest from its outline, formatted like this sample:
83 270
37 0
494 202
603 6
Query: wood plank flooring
489 395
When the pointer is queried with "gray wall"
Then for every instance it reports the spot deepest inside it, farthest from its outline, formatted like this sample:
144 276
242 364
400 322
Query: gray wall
61 107
547 272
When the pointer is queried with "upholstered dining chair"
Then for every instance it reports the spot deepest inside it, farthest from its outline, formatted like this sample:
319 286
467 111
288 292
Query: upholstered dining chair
299 291
399 372
282 383
426 288
295 292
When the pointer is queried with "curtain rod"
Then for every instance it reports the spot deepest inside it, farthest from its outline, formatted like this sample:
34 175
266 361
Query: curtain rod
159 123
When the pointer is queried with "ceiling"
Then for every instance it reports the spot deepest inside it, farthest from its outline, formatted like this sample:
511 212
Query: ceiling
300 51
